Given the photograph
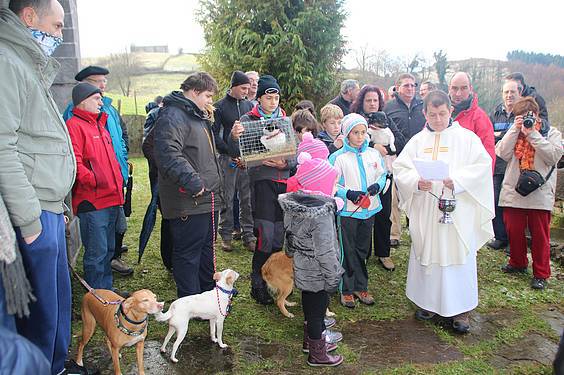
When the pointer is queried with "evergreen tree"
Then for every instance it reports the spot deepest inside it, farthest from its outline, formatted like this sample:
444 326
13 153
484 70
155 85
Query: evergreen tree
297 41
441 66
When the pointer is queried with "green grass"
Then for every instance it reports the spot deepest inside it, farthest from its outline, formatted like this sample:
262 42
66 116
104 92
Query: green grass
498 292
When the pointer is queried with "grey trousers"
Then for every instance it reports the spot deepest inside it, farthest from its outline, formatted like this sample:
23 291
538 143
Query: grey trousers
235 179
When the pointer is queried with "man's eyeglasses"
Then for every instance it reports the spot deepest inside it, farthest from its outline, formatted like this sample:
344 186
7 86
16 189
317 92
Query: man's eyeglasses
409 85
97 81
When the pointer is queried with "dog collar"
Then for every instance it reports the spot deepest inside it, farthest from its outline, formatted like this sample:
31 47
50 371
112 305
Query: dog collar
119 312
233 292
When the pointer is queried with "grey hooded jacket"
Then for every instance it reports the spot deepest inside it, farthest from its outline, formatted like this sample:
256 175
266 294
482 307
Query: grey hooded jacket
311 239
37 163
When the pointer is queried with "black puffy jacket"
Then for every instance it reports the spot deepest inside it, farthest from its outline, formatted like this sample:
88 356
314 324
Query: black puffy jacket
185 155
409 121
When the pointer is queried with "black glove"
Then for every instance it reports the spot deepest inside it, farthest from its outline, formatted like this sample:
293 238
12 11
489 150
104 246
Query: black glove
373 189
354 195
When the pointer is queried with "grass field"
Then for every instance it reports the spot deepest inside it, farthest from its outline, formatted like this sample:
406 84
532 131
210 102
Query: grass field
498 293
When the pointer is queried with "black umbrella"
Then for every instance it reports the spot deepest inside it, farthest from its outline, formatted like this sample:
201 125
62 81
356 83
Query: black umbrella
148 221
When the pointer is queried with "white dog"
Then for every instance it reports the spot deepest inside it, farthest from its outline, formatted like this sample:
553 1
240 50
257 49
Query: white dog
384 137
210 305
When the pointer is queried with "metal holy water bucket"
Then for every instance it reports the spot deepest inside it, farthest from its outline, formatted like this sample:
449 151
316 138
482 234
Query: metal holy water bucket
446 206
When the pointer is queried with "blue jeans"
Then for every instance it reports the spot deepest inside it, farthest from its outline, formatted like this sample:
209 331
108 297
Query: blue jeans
45 260
98 231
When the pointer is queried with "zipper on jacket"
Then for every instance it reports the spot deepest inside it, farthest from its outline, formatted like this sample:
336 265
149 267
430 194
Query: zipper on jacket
106 149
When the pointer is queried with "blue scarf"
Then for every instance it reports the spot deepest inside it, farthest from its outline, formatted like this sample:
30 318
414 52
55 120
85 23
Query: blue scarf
275 114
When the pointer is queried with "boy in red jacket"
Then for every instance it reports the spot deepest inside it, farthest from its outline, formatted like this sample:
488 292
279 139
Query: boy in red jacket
97 192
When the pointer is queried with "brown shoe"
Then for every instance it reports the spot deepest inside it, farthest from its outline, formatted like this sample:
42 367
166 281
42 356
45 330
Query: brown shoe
364 297
250 244
387 263
226 246
237 234
347 300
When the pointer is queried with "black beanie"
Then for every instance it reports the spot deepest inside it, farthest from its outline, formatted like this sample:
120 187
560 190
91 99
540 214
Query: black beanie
83 91
265 83
239 78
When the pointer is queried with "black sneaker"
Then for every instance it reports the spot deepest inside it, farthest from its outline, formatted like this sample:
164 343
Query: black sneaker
422 314
508 268
497 244
537 283
72 368
262 296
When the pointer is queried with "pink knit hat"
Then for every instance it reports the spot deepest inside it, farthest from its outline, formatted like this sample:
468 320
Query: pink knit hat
316 174
312 146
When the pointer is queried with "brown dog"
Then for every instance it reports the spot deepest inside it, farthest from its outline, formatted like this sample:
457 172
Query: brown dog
278 272
124 324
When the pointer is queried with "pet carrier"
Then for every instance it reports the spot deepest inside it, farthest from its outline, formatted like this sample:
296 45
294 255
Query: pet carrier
267 139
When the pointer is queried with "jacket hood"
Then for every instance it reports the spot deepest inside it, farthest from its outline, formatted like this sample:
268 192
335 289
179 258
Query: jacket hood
255 112
177 99
307 205
528 91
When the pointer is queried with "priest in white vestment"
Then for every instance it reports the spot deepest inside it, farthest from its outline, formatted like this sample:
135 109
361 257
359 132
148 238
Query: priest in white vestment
442 276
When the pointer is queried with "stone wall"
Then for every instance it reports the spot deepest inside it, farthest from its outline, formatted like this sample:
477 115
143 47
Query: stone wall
68 54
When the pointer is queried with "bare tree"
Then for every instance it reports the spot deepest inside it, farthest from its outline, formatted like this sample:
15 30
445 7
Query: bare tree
363 59
122 67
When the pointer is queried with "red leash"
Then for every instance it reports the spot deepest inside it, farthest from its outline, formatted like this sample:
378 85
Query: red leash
214 238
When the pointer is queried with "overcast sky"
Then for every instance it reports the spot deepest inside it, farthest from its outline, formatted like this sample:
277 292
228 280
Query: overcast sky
464 29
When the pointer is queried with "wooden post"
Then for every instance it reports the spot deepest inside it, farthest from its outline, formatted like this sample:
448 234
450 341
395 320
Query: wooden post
135 101
119 106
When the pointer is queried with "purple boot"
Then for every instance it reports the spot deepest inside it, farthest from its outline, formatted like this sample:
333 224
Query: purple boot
305 345
318 356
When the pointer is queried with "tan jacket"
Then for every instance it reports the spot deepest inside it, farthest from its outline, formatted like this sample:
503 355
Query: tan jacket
547 153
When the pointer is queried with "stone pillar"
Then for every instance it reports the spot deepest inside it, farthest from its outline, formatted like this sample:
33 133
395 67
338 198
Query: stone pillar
68 54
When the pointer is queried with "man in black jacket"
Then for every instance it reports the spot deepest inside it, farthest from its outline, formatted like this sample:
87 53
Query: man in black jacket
190 181
236 179
349 91
502 119
525 90
406 110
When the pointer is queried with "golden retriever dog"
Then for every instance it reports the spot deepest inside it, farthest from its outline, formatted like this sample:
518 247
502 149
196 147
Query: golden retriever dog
278 272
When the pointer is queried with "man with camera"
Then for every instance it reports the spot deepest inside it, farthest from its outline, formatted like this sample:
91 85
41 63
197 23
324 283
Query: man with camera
531 149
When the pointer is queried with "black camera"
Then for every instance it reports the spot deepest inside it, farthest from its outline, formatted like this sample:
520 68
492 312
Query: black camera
529 120
378 119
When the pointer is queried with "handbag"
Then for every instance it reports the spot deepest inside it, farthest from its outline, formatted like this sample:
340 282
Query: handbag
531 180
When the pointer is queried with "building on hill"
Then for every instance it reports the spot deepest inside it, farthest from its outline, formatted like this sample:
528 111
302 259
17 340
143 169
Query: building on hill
149 49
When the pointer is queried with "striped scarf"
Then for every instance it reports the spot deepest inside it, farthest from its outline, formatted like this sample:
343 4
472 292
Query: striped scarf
525 152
